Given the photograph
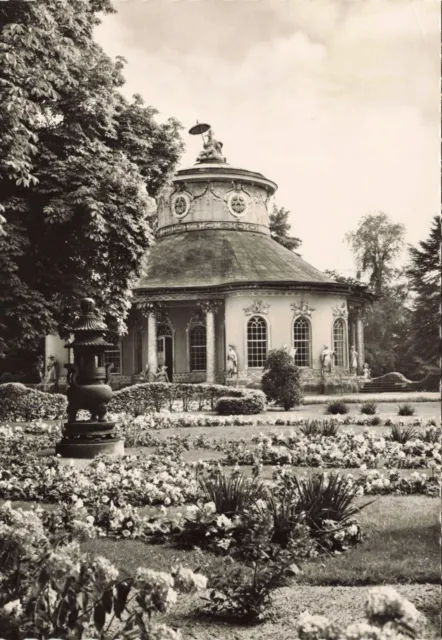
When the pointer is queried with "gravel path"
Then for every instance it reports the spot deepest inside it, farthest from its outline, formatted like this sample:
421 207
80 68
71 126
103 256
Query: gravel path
340 604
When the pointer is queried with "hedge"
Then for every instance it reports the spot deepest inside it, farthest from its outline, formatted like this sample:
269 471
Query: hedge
248 405
143 398
20 403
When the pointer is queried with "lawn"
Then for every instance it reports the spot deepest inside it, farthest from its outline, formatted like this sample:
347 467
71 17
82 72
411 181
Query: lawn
400 548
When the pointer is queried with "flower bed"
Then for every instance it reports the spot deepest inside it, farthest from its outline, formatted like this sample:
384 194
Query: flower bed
345 450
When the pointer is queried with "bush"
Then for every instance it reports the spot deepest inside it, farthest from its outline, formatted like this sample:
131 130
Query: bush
248 405
281 381
140 399
321 428
18 402
398 434
231 493
369 408
406 410
375 421
336 407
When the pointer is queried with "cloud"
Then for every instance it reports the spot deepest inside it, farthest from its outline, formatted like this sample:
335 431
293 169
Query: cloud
333 99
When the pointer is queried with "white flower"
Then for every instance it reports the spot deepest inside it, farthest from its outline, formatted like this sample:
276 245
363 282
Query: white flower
13 608
105 569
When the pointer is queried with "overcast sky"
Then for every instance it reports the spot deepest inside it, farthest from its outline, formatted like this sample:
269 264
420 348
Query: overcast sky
335 100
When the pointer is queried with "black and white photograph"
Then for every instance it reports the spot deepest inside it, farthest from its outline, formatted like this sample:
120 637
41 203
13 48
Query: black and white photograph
220 313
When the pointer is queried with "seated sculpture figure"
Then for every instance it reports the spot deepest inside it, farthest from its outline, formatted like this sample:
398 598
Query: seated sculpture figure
212 151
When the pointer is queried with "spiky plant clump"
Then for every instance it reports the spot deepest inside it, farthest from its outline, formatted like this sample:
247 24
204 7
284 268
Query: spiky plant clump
402 434
369 408
406 410
231 493
337 407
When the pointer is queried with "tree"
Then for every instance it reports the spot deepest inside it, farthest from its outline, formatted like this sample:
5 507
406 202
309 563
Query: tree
425 281
281 380
279 229
79 165
376 243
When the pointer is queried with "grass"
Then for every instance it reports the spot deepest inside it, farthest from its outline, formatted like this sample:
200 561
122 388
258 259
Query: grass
404 396
401 546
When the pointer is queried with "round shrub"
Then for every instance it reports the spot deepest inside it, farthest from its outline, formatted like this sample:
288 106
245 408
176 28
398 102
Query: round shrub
248 405
406 410
336 407
369 408
281 381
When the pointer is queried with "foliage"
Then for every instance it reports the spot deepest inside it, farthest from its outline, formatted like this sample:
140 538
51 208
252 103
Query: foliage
376 243
389 615
79 167
336 407
402 434
281 381
324 428
369 408
406 410
139 399
50 588
250 404
375 421
346 450
425 282
323 498
18 402
279 228
231 493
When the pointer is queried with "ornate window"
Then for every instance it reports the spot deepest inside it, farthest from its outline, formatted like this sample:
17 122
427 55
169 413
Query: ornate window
339 342
198 348
302 341
113 356
256 342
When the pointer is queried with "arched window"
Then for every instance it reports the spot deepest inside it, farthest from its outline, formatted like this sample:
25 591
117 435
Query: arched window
302 341
197 339
339 342
256 342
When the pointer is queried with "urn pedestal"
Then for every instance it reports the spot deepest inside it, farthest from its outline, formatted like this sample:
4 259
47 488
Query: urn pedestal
88 390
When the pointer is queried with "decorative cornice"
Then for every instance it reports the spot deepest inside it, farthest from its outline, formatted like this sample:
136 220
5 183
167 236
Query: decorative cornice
257 306
301 309
340 311
209 306
203 226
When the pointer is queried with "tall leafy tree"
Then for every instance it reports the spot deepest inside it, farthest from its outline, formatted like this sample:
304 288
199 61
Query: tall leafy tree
79 166
376 243
424 273
280 228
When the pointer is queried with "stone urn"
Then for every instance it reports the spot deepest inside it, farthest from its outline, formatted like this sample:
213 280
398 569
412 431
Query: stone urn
88 389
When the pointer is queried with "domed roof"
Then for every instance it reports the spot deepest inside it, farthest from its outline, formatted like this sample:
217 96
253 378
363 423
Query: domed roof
213 231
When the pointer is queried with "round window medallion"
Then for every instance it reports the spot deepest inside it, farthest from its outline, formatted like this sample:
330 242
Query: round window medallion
181 205
237 204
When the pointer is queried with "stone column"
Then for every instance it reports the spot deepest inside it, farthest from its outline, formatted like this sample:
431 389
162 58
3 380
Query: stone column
152 360
210 308
360 341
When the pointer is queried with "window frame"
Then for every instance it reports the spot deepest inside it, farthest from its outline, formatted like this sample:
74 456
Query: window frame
246 341
190 347
343 322
310 340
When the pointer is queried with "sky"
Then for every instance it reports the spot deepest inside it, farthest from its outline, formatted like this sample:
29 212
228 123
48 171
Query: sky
337 101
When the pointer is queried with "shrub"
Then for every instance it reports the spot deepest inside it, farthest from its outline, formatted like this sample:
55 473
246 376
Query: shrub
326 428
231 493
248 405
336 407
402 435
140 399
281 381
406 410
323 498
375 421
18 402
369 408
